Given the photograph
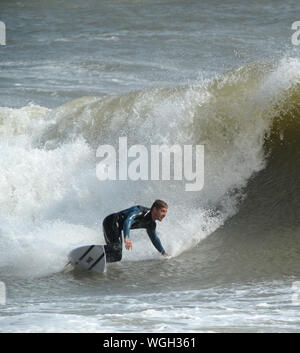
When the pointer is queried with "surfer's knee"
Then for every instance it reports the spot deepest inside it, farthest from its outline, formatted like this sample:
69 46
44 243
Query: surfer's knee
119 256
118 252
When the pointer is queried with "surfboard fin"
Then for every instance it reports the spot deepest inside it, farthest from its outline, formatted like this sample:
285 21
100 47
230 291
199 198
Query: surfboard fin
68 268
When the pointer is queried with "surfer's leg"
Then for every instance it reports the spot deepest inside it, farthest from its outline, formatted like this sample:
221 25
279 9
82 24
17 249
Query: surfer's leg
113 237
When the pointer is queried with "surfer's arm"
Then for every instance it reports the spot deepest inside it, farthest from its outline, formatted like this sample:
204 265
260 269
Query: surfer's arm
156 241
126 226
129 221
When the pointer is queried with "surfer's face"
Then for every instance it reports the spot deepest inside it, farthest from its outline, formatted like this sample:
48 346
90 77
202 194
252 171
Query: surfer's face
159 213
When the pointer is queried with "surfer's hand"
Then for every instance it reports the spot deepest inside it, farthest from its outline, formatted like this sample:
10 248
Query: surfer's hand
128 243
166 254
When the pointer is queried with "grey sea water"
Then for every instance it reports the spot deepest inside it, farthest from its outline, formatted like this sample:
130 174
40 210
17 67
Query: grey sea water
225 74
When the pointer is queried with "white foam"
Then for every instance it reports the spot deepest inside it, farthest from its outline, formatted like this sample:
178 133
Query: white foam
50 199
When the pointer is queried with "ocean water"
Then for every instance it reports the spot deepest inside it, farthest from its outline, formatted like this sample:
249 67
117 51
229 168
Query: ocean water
75 75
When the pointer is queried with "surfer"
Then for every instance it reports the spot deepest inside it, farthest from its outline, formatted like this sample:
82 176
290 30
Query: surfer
132 218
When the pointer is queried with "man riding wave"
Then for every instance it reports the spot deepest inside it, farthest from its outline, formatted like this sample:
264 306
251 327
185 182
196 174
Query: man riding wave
134 217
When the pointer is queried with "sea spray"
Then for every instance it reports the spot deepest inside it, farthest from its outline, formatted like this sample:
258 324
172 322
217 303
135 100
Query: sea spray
50 195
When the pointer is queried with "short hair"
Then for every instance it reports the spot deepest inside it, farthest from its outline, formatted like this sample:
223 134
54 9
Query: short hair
159 204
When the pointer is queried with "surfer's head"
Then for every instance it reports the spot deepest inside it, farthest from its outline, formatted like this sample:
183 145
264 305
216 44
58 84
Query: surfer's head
159 210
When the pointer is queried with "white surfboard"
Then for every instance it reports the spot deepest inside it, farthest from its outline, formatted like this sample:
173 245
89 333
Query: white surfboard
87 257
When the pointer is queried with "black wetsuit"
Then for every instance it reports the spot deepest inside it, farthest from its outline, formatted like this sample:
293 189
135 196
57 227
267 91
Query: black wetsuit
131 218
